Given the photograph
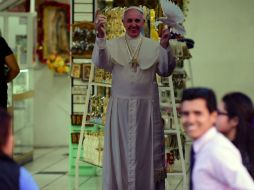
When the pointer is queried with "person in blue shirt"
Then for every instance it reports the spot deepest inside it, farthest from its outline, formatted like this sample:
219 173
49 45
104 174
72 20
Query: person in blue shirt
12 176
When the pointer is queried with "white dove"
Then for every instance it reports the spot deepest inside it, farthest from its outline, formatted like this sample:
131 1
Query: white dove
173 17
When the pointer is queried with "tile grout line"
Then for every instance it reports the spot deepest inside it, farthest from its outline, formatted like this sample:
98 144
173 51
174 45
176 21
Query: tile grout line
37 159
52 164
84 182
52 182
43 155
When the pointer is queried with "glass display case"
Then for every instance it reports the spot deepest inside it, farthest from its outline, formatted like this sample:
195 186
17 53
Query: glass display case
18 31
22 102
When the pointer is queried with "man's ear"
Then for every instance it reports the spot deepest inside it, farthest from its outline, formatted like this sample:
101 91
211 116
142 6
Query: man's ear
8 147
214 117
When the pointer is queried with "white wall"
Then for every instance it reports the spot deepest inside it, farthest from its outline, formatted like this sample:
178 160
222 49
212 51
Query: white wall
52 108
223 57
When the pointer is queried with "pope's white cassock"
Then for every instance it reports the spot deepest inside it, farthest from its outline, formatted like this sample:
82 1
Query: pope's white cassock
134 142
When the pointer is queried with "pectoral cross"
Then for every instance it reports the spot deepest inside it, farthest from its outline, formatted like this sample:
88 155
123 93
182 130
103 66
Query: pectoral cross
134 64
134 54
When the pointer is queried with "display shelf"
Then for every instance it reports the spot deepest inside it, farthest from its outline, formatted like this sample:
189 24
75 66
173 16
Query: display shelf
85 169
100 84
23 96
168 105
23 129
175 173
163 87
172 149
84 56
190 77
170 131
97 124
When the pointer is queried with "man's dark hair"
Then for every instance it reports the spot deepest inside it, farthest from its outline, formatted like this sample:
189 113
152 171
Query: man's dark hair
5 127
201 93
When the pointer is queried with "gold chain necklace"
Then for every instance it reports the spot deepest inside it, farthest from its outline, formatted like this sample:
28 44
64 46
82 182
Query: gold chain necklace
134 56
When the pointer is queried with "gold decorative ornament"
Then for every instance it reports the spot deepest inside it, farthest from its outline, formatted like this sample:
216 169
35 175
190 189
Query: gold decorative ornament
133 54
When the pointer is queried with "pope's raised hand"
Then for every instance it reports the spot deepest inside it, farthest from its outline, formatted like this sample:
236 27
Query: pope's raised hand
165 37
100 22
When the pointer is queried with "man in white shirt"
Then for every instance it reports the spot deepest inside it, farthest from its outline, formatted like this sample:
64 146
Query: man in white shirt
218 164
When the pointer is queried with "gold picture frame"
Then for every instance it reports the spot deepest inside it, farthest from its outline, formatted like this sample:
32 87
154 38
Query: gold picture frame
53 30
86 68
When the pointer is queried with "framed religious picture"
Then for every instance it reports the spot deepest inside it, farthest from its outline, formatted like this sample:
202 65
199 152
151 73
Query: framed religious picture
86 68
76 70
53 30
75 138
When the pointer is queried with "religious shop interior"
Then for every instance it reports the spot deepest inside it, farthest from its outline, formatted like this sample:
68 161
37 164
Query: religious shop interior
58 86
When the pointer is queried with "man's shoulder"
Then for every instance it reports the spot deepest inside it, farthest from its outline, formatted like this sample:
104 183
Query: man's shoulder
4 47
2 40
220 146
26 180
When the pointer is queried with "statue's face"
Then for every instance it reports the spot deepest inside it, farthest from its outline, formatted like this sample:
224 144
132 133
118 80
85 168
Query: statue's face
133 22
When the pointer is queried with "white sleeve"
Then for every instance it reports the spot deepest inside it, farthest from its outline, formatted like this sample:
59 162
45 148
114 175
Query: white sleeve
101 56
166 63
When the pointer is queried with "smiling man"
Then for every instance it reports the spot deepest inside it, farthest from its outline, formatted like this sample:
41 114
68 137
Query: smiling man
133 148
218 164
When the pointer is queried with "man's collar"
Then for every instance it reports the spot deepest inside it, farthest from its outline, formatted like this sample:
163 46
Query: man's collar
199 143
130 38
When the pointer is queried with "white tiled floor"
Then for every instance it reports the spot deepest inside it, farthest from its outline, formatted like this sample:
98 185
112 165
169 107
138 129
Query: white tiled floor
50 170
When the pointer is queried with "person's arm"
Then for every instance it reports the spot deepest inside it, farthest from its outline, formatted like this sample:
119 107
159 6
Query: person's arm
167 61
13 68
26 181
100 56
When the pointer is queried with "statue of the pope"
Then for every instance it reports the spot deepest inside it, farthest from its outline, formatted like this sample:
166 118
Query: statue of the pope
134 138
